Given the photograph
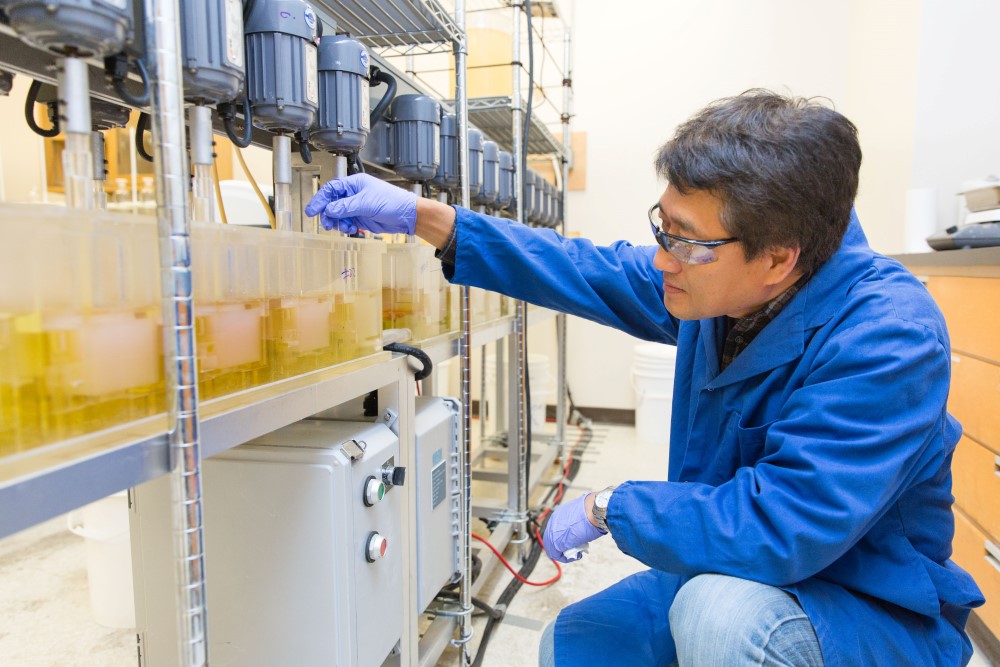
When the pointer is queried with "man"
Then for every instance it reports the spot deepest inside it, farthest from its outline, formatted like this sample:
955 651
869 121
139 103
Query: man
807 517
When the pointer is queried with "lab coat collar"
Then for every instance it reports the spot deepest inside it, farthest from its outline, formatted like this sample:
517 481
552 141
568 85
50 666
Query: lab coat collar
783 339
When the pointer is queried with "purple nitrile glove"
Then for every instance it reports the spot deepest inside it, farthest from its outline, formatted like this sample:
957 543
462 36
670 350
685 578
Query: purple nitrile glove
362 201
569 529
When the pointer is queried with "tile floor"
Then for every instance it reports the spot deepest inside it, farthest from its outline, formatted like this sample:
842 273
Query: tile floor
45 618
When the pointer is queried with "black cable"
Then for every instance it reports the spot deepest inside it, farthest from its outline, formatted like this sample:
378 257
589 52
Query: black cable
389 80
304 150
492 612
29 112
524 171
228 113
140 132
532 560
354 164
120 76
403 348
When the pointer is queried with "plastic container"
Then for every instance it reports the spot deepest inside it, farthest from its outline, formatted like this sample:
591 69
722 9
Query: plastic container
653 382
415 294
230 309
80 333
489 70
323 300
104 524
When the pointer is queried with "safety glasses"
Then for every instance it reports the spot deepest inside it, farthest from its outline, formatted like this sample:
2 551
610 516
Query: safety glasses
689 251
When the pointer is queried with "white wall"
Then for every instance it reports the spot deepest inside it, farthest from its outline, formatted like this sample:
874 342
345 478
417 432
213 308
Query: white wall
637 74
917 77
956 135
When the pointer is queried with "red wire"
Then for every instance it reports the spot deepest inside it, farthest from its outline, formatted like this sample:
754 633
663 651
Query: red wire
513 571
538 536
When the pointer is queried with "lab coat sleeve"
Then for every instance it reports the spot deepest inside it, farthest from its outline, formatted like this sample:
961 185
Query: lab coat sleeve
616 285
865 426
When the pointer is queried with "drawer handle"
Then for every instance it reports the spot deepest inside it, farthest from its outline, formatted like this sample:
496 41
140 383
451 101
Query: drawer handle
992 554
996 465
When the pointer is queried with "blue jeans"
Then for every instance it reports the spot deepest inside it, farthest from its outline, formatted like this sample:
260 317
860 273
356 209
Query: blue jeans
712 621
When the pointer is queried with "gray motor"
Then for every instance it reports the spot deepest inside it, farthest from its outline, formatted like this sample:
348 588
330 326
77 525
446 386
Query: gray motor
550 209
475 162
281 64
543 203
342 124
212 50
538 205
528 183
447 176
505 180
415 136
488 193
80 28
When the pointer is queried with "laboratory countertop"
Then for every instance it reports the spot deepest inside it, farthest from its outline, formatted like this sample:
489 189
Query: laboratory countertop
978 262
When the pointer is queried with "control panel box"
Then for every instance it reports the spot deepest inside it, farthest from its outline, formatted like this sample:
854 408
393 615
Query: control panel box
305 549
437 477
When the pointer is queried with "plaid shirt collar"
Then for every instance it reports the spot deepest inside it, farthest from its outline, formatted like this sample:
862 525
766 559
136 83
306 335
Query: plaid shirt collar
741 332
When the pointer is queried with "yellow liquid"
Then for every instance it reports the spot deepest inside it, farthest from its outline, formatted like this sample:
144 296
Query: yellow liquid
415 310
299 337
355 324
66 375
231 353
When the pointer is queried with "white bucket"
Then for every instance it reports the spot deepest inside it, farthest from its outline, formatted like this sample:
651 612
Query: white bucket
653 382
104 524
539 385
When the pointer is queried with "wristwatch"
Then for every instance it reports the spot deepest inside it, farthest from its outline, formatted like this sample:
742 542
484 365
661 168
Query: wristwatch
601 508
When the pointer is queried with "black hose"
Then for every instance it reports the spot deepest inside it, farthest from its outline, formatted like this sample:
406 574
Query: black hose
29 112
524 171
402 348
492 612
527 113
140 132
532 560
228 113
304 150
358 164
119 84
389 80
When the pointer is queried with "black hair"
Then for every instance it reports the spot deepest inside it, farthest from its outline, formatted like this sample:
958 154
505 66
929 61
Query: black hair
784 168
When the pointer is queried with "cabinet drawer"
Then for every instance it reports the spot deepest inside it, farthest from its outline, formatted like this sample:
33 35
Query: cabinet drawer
975 398
971 307
976 484
971 554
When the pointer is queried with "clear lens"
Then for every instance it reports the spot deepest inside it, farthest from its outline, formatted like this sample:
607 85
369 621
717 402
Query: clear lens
689 253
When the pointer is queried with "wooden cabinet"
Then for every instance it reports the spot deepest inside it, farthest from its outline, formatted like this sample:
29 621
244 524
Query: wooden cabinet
966 286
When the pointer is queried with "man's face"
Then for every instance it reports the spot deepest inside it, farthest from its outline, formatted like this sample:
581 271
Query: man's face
731 285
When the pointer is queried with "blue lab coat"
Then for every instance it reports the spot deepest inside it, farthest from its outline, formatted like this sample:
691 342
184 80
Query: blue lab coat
818 461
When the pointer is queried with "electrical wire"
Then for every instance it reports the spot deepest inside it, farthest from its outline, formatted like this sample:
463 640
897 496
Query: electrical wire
517 576
140 134
570 468
118 82
218 189
228 113
524 171
29 112
253 183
